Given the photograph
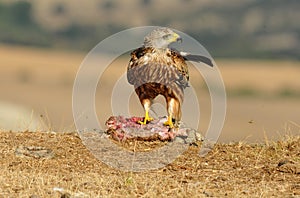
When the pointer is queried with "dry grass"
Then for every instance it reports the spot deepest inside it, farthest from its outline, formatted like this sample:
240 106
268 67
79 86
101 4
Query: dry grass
233 170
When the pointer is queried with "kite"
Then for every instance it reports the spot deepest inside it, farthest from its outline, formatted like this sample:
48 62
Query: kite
156 69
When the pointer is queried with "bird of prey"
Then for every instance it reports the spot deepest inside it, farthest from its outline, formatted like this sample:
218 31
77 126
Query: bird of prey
156 69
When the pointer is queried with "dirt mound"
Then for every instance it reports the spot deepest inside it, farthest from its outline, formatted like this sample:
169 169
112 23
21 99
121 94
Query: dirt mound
237 169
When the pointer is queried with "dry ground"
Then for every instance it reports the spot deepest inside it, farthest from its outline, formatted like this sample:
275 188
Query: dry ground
232 170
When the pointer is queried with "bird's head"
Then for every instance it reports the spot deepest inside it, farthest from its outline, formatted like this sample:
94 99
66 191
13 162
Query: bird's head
161 38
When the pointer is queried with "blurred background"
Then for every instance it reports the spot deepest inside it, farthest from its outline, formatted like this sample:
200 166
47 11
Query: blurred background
256 45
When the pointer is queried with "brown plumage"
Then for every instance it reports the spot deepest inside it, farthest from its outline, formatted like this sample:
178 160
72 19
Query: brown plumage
155 69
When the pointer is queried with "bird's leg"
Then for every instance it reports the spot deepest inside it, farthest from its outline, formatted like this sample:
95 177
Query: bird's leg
174 111
169 122
146 103
170 106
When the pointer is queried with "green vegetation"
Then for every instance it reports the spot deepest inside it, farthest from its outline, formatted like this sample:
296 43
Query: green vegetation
249 92
288 93
253 29
18 26
244 92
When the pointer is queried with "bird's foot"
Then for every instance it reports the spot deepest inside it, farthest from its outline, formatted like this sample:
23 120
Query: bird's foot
146 120
169 123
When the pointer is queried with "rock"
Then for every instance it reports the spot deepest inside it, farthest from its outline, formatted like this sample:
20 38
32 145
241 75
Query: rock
36 152
68 194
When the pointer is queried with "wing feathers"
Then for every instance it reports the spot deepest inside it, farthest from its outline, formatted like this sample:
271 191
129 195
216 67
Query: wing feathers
148 65
197 58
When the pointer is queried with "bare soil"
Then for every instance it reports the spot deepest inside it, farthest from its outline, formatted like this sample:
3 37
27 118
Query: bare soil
236 169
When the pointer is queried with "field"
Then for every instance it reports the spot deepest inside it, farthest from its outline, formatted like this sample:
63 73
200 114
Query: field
262 102
262 120
229 170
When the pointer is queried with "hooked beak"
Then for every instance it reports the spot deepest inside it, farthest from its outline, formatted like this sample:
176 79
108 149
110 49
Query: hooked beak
176 38
179 40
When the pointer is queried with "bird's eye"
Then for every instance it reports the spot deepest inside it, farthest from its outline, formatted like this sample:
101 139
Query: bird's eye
167 36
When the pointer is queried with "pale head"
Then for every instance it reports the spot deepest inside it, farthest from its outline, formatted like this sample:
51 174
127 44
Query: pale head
161 38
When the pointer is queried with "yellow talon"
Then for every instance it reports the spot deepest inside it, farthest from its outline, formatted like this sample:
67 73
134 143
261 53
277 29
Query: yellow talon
146 119
169 122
